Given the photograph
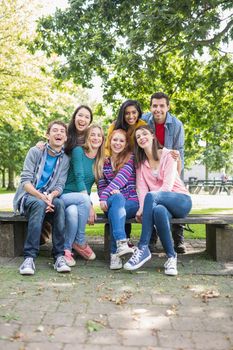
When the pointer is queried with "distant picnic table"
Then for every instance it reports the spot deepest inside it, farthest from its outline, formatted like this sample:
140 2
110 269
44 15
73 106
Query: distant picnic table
210 186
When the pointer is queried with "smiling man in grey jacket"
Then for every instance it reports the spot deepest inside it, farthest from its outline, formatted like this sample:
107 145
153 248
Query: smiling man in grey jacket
42 180
169 132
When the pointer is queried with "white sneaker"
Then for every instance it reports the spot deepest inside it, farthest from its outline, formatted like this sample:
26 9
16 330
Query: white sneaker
61 265
171 266
27 267
115 262
123 248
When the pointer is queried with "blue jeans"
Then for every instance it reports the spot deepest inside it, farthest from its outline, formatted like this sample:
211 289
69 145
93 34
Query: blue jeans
159 208
77 211
35 212
119 209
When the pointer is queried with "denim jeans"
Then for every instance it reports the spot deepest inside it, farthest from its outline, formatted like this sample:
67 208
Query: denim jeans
119 209
77 209
159 208
35 212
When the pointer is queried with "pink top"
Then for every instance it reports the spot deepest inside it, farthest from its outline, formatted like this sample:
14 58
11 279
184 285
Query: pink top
165 179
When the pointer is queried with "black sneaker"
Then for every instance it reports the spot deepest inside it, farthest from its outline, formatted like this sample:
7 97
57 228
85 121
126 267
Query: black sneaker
180 247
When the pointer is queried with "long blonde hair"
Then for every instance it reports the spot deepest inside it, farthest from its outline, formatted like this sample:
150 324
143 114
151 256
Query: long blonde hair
99 159
124 156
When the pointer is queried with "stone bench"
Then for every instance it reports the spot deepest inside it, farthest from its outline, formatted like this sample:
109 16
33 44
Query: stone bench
219 233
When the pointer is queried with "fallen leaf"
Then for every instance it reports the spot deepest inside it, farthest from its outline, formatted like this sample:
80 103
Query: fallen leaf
40 329
209 294
17 336
170 312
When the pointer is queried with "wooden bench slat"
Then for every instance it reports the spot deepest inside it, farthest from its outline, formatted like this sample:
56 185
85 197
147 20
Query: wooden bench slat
219 219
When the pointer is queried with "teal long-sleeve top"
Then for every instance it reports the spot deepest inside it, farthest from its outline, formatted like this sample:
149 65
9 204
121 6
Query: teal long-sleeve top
80 176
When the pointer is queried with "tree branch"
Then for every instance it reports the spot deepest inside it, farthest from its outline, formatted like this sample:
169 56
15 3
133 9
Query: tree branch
207 42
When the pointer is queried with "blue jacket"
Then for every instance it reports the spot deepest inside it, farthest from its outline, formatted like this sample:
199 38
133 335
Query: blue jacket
174 132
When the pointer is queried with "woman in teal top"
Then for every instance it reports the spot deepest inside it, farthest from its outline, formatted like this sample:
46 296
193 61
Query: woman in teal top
86 166
80 177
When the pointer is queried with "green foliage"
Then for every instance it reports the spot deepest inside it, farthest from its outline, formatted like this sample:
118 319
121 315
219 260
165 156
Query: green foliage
30 96
132 33
139 47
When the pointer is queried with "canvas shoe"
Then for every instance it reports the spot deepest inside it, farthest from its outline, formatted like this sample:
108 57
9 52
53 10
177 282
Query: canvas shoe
123 248
60 265
27 267
131 244
85 251
115 262
139 258
171 266
69 258
180 247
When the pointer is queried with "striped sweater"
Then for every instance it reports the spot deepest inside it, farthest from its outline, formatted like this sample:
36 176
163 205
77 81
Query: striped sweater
124 181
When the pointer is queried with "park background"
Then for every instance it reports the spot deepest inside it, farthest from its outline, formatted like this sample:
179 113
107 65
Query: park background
125 49
58 54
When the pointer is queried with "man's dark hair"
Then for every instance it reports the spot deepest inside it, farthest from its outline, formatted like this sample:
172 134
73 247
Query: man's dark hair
158 96
59 122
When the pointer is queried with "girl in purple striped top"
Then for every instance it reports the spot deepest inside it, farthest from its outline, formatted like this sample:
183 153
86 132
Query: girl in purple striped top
117 193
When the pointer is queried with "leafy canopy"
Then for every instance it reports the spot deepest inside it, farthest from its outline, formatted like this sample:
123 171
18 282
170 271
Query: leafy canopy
98 35
138 47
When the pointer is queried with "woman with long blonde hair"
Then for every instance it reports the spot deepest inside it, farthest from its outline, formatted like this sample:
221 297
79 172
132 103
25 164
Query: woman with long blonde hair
86 166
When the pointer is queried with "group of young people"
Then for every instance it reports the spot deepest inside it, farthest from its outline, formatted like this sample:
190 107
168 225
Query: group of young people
137 175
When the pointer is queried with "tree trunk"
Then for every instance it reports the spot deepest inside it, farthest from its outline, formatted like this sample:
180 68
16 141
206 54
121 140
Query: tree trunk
206 173
11 185
3 178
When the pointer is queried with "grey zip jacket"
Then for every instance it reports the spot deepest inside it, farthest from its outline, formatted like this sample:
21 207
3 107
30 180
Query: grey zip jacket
29 175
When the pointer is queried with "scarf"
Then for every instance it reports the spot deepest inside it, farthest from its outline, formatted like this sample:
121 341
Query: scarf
39 170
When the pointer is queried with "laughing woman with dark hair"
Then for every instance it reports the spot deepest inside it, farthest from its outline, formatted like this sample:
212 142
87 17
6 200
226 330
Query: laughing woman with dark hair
162 195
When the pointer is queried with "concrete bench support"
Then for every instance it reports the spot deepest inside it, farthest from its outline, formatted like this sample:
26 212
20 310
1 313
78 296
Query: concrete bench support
12 237
219 242
224 243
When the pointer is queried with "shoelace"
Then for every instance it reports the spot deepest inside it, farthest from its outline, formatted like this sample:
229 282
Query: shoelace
28 262
61 260
136 255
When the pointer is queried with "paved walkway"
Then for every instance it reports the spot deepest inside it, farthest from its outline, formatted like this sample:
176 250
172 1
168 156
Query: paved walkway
94 308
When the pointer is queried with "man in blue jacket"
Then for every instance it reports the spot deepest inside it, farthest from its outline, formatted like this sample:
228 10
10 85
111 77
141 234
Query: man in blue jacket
42 180
169 132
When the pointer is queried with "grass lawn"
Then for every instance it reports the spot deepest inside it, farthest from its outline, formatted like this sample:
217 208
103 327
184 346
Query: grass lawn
5 191
199 230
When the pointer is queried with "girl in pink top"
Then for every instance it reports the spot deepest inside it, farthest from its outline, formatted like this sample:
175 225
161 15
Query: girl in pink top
162 195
